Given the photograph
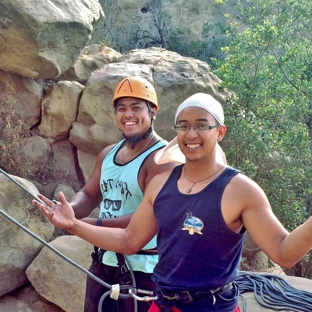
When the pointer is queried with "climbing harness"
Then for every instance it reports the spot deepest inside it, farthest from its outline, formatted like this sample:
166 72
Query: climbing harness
271 291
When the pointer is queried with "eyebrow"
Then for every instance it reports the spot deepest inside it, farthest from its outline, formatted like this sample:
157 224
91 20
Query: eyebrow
198 119
131 104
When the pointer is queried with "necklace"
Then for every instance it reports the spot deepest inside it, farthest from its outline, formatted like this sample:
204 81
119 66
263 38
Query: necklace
189 190
122 152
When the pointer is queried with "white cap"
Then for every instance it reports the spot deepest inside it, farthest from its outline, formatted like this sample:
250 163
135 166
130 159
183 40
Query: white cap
204 101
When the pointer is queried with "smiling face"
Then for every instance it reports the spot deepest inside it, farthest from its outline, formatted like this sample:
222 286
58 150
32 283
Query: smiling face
133 117
194 144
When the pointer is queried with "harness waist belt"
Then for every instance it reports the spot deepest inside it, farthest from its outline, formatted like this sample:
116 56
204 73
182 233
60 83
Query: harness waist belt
148 252
185 296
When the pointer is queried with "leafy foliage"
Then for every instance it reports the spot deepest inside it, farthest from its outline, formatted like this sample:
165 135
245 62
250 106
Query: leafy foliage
214 36
269 121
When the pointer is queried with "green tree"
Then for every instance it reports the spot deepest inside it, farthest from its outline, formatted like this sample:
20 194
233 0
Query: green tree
269 69
214 36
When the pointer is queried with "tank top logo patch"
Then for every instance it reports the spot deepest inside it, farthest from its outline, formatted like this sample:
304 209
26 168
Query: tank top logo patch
192 224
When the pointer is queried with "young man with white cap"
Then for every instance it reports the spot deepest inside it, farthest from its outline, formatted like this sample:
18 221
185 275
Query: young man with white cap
200 212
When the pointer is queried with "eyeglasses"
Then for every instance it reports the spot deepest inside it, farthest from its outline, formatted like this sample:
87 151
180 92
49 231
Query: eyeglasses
200 128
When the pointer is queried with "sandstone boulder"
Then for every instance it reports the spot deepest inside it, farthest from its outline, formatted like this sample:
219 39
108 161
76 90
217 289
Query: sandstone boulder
20 97
44 38
59 110
90 59
19 249
175 78
56 279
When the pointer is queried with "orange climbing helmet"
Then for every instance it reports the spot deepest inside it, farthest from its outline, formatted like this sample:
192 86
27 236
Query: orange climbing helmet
137 87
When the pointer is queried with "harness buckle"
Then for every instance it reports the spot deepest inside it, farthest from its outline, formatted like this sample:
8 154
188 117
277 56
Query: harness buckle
174 297
185 296
123 269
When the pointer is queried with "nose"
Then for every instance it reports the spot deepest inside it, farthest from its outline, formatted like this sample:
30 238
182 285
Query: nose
128 112
192 132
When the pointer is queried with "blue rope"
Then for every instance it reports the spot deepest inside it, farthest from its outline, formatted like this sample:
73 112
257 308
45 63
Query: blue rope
273 292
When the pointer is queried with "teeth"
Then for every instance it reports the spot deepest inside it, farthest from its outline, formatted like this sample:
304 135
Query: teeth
192 145
129 123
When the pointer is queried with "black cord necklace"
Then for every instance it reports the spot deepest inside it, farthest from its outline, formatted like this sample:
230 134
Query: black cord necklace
189 190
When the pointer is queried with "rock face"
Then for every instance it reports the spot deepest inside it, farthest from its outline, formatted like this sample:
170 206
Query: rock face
51 275
22 94
63 92
18 249
155 18
44 38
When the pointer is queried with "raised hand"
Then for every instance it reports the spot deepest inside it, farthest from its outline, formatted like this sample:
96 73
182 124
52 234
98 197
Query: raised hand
60 214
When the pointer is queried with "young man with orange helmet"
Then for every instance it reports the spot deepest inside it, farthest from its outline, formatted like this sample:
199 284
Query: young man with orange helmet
121 174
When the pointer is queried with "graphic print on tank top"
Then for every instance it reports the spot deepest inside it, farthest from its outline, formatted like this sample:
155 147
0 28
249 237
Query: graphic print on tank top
192 224
119 184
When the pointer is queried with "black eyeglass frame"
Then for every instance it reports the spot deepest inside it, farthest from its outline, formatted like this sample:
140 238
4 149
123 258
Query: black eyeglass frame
195 127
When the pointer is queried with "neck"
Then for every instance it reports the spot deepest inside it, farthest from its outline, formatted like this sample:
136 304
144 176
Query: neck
134 140
127 153
202 167
196 172
139 144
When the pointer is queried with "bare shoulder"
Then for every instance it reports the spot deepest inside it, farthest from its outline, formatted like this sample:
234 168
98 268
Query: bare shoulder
242 194
150 169
250 204
243 185
156 183
154 168
93 181
104 152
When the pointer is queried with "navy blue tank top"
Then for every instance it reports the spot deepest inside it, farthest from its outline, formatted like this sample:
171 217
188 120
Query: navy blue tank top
197 250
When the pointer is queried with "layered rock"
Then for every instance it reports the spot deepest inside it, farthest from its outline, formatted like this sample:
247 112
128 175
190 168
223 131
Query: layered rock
56 279
42 39
18 249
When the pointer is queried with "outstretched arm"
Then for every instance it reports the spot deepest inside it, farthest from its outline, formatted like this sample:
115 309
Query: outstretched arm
284 248
139 232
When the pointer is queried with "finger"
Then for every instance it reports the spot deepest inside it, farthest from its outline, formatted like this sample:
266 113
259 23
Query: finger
62 198
45 200
45 209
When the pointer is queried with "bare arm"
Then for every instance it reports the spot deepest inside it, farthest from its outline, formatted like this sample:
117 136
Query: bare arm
89 197
121 222
284 248
141 229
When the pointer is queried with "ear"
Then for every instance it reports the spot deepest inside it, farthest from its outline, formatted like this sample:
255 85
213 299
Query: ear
221 132
154 113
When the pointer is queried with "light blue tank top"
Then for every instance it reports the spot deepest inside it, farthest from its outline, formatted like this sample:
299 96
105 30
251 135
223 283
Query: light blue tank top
122 195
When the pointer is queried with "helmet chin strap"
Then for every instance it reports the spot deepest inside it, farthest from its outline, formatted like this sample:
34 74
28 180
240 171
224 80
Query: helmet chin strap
136 139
